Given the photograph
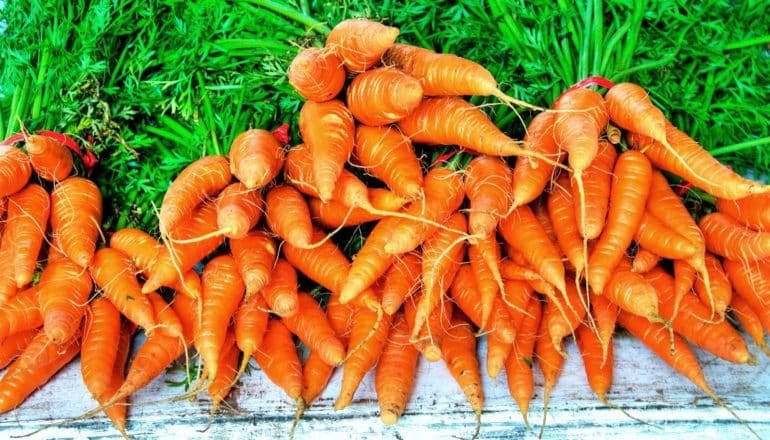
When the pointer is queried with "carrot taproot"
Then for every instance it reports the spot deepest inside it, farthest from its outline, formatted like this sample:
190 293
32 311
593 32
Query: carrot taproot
334 214
255 255
751 282
288 216
631 292
328 130
238 210
251 324
312 328
256 158
25 228
223 290
561 210
684 275
401 281
516 295
165 317
389 156
101 335
628 196
598 367
117 413
576 129
433 333
561 324
512 271
693 321
730 239
659 239
748 318
50 159
485 251
395 372
11 346
22 312
64 290
465 294
604 313
316 74
8 287
488 183
113 272
497 353
360 43
15 170
751 211
187 309
315 376
596 182
523 232
281 292
666 206
721 291
644 260
488 282
530 176
383 96
220 386
201 179
459 353
540 209
76 217
551 360
518 366
277 357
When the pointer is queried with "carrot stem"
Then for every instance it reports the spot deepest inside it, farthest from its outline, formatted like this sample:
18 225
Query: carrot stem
293 14
739 146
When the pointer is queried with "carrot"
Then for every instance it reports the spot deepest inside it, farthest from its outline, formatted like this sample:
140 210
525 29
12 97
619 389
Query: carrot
395 373
15 170
278 359
751 282
383 96
50 159
201 179
288 216
256 157
220 386
518 366
433 333
101 334
388 155
178 258
497 353
255 255
315 376
688 160
454 121
363 351
645 260
8 287
441 258
76 216
551 361
667 207
238 210
598 367
751 211
117 412
281 292
465 294
488 183
360 43
530 176
11 346
459 352
748 319
581 119
512 271
604 313
313 329
488 282
728 238
446 74
540 209
685 278
516 295
721 291
631 292
334 214
659 239
187 310
223 290
316 74
113 272
597 179
561 210
525 234
628 196
720 339
561 324
25 228
20 313
64 290
25 375
250 325
486 254
400 282
329 133
166 318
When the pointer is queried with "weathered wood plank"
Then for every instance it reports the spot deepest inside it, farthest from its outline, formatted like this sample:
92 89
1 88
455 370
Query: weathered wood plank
644 385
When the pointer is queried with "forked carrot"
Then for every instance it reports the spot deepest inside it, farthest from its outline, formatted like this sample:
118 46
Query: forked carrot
631 292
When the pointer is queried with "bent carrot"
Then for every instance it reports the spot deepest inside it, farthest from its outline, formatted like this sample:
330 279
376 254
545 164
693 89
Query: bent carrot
238 210
388 155
488 183
76 217
255 255
395 373
316 74
383 96
518 366
256 158
360 43
530 176
101 335
50 159
281 292
113 272
15 170
25 229
64 290
313 329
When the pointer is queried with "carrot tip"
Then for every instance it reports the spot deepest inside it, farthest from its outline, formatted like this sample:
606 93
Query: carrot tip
432 354
389 417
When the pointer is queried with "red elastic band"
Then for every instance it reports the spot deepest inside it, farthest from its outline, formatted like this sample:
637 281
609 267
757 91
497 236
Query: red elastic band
282 134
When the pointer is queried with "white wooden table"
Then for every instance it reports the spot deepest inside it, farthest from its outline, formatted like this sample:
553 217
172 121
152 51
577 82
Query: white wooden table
644 385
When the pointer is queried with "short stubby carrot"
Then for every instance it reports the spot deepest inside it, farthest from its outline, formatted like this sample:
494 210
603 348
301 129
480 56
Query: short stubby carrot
316 74
488 183
101 334
20 313
201 179
238 210
335 214
395 373
113 272
76 218
255 256
630 108
25 228
360 43
631 292
730 239
311 327
751 211
597 180
50 159
389 156
530 175
383 96
64 291
15 170
400 281
281 291
628 196
256 158
328 130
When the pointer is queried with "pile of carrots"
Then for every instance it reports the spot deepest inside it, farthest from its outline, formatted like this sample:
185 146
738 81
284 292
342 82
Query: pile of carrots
592 236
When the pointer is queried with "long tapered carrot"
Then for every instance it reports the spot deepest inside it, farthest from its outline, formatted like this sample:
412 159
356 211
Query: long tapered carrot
432 335
11 346
311 327
628 196
101 335
728 238
551 360
518 366
751 282
604 313
220 386
255 256
76 216
597 179
400 281
281 292
117 413
316 74
167 320
465 294
277 357
250 325
561 324
335 214
20 313
751 211
530 176
631 292
360 43
645 260
667 207
15 170
256 158
488 282
50 159
388 155
561 210
459 352
721 291
113 272
25 228
488 183
238 210
598 367
64 290
395 373
383 96
655 236
201 179
749 319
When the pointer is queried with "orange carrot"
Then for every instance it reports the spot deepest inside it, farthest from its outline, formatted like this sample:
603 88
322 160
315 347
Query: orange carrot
459 353
645 260
8 286
20 313
113 272
658 238
329 132
201 179
596 182
101 334
749 320
223 290
433 333
487 281
166 318
628 196
488 183
561 210
277 357
220 386
530 176
631 109
250 325
728 238
256 158
117 413
512 271
388 155
486 253
50 159
383 96
497 353
685 278
15 170
238 210
281 292
631 292
605 314
751 282
667 207
288 215
721 289
313 329
598 366
335 214
395 373
400 282
315 376
518 366
76 216
316 74
540 209
255 256
562 323
25 229
465 294
551 361
360 43
64 290
751 211
13 345
576 129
